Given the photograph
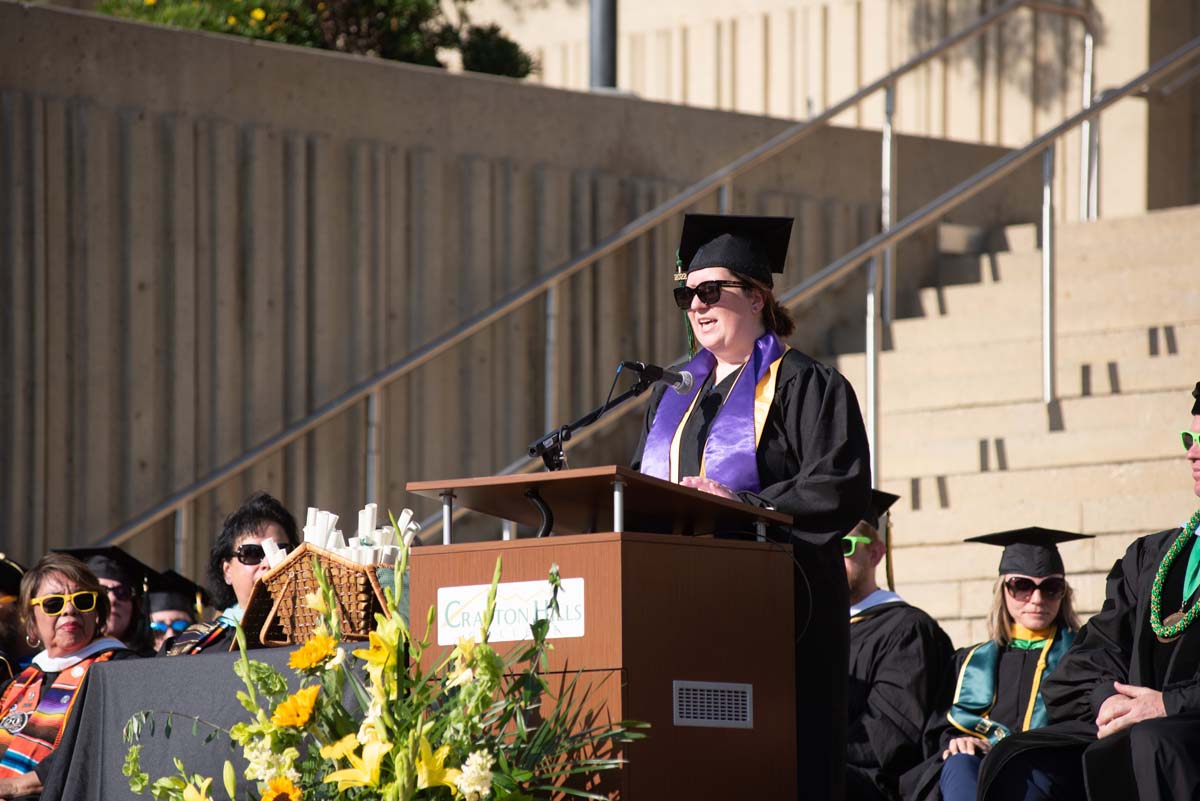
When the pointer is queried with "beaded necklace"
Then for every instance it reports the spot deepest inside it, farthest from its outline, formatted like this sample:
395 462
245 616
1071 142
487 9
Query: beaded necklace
1169 629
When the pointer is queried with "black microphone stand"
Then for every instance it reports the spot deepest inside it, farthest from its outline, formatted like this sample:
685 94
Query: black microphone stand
550 445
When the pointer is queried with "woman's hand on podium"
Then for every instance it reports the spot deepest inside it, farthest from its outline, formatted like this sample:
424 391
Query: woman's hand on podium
709 486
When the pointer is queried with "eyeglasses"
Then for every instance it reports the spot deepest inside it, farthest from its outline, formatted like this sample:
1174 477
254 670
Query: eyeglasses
121 592
1189 439
251 553
1022 588
55 605
709 292
176 626
850 544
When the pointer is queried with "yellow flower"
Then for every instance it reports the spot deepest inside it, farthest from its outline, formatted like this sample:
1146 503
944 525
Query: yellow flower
363 770
281 789
231 20
313 653
313 600
465 658
150 2
258 14
296 709
431 770
192 792
377 657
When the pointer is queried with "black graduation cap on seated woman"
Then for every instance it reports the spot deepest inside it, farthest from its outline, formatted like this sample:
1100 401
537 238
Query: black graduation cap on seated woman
10 576
751 246
114 564
1031 551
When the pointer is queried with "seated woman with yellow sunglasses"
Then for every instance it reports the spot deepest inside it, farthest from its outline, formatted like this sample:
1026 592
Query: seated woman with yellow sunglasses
63 608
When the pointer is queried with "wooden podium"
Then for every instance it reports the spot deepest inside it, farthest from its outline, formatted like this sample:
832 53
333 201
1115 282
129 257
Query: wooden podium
691 634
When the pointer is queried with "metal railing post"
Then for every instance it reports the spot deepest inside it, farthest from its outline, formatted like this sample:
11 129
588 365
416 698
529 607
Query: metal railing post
1049 389
550 365
374 414
724 198
887 202
874 329
183 539
1087 210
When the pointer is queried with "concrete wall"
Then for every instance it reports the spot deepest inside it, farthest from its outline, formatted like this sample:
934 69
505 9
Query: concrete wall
202 239
794 58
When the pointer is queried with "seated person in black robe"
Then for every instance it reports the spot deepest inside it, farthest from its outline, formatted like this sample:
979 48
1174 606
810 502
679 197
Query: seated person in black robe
899 659
1126 699
14 651
175 604
64 609
769 426
125 579
236 561
996 690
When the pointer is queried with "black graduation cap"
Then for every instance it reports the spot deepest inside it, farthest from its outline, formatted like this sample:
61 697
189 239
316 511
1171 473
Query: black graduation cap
751 246
171 590
1030 551
1196 395
113 563
10 576
880 502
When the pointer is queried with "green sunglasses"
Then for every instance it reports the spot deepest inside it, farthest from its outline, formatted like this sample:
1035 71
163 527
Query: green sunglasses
850 543
1189 439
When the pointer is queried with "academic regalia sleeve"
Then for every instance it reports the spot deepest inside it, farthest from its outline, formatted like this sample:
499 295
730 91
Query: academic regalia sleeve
1102 651
822 424
906 686
921 783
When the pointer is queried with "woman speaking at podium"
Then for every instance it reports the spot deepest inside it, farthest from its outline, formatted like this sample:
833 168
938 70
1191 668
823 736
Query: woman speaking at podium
769 426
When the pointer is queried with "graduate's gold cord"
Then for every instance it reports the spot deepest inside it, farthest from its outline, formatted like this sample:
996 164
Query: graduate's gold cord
1037 678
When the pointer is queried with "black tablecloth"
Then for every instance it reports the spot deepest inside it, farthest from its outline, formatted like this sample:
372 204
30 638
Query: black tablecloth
202 685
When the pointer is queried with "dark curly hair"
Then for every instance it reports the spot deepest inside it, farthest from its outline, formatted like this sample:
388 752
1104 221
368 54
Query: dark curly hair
257 511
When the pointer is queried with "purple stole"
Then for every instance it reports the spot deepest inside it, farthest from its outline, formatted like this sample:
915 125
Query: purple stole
730 451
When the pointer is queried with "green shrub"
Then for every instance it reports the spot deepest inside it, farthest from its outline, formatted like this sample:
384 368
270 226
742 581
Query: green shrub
404 30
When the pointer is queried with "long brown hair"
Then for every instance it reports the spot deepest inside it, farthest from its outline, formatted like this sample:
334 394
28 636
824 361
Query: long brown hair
74 572
1000 621
776 318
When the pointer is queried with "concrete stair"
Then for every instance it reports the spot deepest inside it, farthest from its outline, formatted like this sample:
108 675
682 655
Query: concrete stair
966 440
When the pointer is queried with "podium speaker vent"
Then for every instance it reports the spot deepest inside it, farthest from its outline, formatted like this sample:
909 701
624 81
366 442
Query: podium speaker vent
713 704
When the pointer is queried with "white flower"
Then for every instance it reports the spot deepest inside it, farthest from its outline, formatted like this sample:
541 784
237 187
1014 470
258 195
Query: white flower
339 656
475 781
263 764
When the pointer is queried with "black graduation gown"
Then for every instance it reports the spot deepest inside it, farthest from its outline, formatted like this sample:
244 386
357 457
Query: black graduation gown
210 637
898 677
1014 684
1155 759
814 464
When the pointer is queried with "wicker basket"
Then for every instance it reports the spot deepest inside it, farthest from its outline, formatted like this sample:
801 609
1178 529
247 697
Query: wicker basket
277 614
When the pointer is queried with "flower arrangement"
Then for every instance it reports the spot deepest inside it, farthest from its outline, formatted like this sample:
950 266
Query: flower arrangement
375 726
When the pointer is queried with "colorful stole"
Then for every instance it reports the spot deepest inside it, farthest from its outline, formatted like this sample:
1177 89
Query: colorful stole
975 694
730 452
197 637
31 729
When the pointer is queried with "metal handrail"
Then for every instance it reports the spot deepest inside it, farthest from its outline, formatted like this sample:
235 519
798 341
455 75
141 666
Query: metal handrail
719 181
809 288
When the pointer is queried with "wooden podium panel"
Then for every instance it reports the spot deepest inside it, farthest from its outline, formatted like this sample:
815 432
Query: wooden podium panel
582 502
658 609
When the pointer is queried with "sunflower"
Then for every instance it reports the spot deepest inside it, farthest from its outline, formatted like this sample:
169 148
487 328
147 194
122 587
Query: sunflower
281 789
296 709
313 653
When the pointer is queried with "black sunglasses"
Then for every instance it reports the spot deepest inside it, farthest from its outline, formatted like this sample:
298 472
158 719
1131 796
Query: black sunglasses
251 553
177 626
709 292
121 592
1022 588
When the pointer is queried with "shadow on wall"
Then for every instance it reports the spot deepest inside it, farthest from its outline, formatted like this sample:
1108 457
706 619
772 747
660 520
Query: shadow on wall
1037 54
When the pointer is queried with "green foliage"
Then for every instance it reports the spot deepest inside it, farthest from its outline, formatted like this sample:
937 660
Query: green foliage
412 31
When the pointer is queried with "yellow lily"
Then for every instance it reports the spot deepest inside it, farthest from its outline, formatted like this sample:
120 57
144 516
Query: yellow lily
431 770
364 770
197 793
377 657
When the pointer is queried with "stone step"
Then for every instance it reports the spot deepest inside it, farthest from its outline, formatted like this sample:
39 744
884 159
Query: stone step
1095 498
1096 349
1016 382
1141 239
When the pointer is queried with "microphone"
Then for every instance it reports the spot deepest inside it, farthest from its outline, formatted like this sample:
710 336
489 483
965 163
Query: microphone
679 380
